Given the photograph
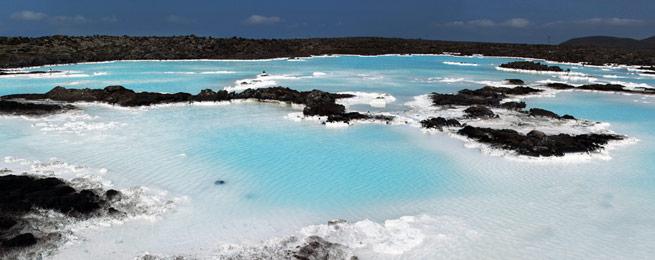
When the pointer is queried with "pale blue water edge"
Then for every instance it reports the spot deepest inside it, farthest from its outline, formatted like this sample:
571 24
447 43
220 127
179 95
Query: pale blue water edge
283 175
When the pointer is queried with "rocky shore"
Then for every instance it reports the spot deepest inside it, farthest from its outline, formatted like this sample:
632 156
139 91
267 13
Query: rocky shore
316 102
22 51
21 195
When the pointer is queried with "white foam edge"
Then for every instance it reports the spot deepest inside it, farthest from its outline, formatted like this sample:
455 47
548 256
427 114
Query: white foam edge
372 99
391 238
456 63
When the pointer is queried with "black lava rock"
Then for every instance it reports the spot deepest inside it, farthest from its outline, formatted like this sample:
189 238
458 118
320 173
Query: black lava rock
530 65
515 81
22 240
479 112
537 143
439 123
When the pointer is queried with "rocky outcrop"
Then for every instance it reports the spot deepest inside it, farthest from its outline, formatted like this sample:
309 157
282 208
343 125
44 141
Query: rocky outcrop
545 113
317 103
518 82
513 105
487 96
603 88
21 195
560 86
530 65
479 112
8 107
537 143
439 123
317 248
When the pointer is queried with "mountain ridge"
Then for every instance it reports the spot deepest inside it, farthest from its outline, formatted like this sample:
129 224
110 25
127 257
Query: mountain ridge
611 42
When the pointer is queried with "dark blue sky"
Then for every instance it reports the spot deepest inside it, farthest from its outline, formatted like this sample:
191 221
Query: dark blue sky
472 20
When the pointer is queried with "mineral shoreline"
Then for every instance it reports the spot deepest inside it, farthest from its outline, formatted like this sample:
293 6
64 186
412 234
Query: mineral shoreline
16 52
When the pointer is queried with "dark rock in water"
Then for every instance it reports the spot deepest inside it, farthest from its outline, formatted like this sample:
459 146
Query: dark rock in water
536 134
24 193
517 91
513 105
479 112
21 195
112 195
530 65
317 103
605 87
219 182
546 113
515 81
22 240
543 113
560 86
316 248
537 143
210 95
439 123
9 107
487 96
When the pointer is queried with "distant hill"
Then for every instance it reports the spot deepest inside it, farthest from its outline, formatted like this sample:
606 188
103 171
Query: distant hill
611 42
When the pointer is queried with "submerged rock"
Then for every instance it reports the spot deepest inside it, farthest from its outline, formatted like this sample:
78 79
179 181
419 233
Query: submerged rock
560 86
537 143
515 81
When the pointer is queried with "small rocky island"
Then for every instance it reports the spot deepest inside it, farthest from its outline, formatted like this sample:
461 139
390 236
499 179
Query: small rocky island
479 104
531 66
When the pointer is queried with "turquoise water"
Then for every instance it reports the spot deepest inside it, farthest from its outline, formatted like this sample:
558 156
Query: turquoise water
283 175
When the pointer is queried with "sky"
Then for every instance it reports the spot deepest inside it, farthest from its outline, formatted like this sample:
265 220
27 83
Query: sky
516 21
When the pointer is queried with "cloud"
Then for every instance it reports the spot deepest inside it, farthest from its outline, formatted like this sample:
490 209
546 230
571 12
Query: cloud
27 15
517 23
514 23
259 19
613 21
76 19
